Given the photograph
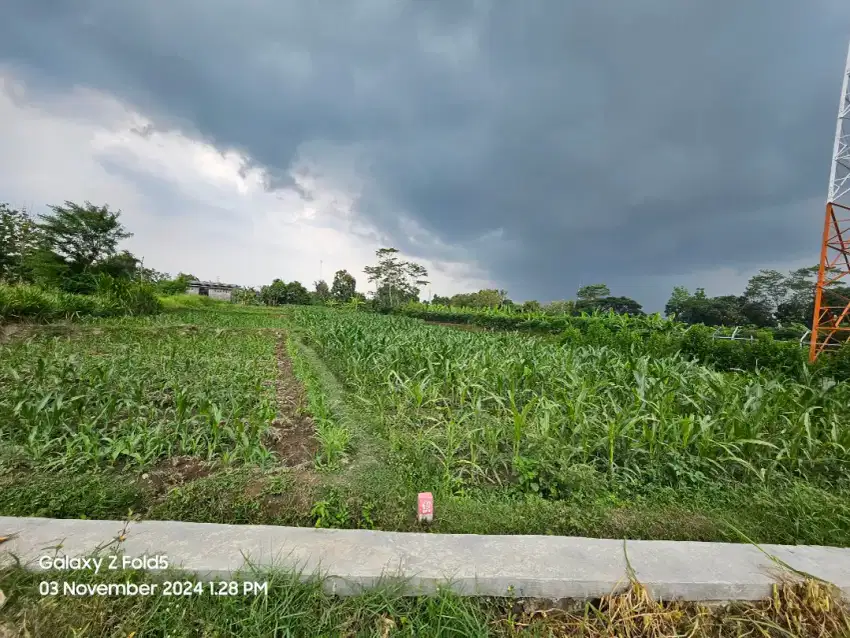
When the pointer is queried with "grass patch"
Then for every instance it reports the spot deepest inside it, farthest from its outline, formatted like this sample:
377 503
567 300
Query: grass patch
240 496
183 301
71 495
296 607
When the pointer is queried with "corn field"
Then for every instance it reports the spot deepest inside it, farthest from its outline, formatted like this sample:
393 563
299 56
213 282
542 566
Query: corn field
125 395
489 408
592 419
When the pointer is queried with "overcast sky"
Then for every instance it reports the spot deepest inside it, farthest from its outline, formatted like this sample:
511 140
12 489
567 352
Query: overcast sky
532 145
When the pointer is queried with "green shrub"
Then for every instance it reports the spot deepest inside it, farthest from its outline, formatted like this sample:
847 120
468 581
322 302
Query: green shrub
114 298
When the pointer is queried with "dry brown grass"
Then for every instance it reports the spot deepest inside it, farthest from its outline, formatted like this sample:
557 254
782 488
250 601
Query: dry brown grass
810 609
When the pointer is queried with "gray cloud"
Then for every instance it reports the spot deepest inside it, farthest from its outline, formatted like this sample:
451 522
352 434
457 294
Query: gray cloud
608 141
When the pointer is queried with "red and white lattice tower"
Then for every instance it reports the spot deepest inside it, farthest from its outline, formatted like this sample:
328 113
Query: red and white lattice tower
831 322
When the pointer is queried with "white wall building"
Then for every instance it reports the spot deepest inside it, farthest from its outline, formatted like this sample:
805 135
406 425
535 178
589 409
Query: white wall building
212 289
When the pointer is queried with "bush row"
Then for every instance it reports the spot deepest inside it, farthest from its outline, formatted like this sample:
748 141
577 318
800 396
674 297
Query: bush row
656 337
697 342
543 322
533 321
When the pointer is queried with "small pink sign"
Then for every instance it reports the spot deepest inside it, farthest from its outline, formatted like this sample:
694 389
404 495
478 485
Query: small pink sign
426 506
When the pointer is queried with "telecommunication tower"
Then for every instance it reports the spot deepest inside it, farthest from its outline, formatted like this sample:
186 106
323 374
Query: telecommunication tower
831 322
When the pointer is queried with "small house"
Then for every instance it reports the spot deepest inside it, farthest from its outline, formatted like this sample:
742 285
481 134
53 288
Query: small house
212 289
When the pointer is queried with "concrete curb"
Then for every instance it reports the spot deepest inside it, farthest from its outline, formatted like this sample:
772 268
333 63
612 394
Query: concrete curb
553 567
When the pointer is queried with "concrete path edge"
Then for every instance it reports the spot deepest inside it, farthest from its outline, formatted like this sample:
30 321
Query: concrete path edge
551 567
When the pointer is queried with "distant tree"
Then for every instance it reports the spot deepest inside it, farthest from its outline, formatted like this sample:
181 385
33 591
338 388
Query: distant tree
485 298
396 281
677 301
152 275
123 265
531 305
462 300
321 294
275 294
441 301
296 293
768 288
175 286
593 291
17 241
757 313
620 305
246 296
344 286
491 298
563 307
713 311
790 298
387 296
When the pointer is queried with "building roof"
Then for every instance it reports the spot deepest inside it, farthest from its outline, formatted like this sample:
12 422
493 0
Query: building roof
211 284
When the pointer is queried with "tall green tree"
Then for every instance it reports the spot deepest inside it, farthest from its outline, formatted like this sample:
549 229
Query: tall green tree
279 293
274 294
321 291
17 241
396 281
677 301
77 242
123 265
82 235
296 293
344 286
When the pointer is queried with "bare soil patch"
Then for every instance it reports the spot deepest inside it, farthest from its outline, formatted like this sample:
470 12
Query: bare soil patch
175 472
292 435
9 330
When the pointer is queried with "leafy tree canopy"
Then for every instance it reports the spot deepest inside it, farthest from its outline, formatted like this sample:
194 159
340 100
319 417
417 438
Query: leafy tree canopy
397 281
592 292
344 286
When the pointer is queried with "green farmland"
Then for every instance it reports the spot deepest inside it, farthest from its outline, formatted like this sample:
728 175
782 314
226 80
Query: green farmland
338 418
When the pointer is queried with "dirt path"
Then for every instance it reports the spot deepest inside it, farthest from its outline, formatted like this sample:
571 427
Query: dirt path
292 435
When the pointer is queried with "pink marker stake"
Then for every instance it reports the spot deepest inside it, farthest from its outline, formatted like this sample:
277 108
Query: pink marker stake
426 507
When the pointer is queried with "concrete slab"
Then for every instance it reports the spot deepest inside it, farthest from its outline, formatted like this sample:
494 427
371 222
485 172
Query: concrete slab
524 566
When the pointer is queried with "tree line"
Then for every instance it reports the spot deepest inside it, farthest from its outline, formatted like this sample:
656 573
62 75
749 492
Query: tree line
74 246
396 282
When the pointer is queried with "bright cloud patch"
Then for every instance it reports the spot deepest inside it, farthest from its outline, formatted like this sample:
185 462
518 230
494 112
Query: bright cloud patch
190 206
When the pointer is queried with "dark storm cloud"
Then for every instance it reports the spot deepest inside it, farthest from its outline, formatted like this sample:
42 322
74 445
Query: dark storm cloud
604 139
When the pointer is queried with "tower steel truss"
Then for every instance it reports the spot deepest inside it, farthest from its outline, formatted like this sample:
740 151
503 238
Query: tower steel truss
831 321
